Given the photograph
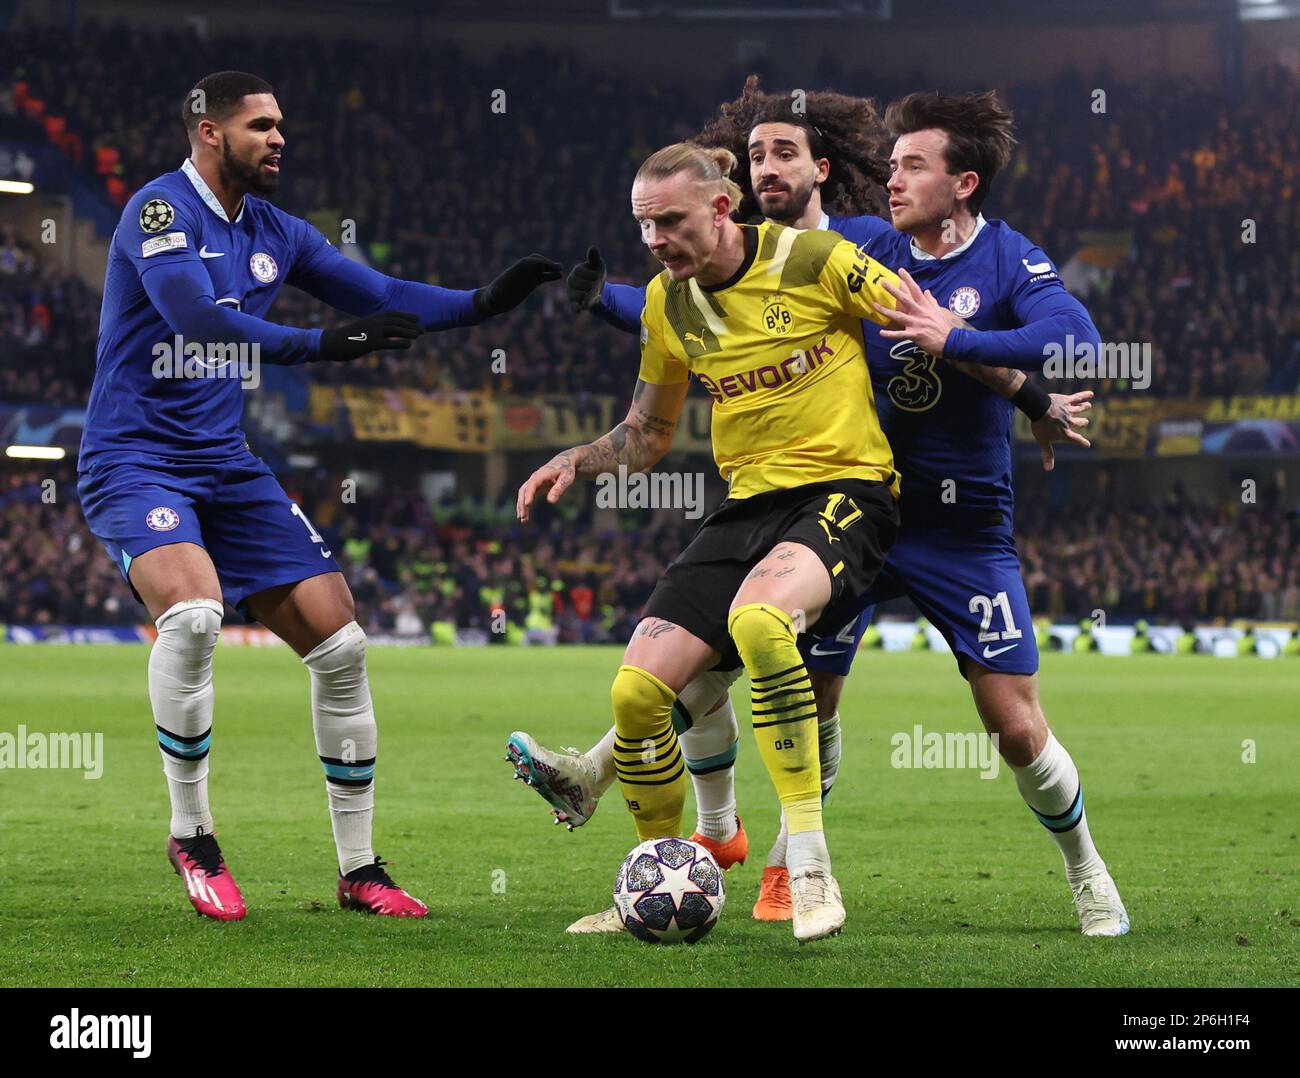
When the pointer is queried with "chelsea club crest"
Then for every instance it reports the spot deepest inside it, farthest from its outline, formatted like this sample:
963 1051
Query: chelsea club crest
263 267
162 519
964 302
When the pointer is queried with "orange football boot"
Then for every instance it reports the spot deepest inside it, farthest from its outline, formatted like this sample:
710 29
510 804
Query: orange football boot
732 852
774 896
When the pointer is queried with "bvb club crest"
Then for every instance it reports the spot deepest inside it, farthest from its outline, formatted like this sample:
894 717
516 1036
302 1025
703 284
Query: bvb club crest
776 319
155 215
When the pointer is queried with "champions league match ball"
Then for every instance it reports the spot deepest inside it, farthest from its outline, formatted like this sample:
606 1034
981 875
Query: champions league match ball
669 890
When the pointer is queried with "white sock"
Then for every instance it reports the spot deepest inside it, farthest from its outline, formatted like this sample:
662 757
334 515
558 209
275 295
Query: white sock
601 754
710 749
829 747
180 690
1050 786
806 852
347 739
776 855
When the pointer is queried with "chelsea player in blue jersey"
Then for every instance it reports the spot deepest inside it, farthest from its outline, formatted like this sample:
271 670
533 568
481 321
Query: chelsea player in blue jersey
979 301
189 515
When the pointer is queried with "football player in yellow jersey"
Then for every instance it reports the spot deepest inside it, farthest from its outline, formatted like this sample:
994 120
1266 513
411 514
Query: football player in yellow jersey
768 319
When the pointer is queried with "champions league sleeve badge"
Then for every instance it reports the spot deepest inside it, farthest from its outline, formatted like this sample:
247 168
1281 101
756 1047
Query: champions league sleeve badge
155 215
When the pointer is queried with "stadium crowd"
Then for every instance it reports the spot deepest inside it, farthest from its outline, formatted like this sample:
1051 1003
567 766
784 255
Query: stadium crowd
1172 210
584 579
47 328
1176 202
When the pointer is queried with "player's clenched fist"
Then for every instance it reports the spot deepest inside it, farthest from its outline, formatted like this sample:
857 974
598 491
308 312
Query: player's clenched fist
586 280
558 473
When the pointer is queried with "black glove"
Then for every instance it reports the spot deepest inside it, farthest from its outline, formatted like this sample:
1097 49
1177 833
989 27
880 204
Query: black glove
586 279
515 284
391 330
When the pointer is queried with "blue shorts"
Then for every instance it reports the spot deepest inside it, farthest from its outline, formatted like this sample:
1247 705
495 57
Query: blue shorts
236 510
966 583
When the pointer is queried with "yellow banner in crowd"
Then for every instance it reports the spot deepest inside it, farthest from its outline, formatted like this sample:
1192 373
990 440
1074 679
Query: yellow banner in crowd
460 421
550 420
1123 425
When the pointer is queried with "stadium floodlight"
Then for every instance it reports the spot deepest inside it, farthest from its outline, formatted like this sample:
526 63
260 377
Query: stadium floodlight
16 187
749 9
1262 10
36 452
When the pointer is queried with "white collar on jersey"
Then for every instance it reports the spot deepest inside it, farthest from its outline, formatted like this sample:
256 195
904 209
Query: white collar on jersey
825 222
205 192
921 256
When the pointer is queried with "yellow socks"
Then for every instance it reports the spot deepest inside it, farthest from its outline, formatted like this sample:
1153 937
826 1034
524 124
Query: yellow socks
647 760
784 711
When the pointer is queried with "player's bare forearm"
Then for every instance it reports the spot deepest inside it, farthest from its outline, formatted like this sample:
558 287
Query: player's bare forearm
640 441
623 445
637 444
1002 380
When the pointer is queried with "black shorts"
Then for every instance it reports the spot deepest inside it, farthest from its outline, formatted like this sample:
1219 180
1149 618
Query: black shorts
849 523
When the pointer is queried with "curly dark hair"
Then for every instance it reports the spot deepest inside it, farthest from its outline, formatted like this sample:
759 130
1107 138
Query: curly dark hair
978 127
845 130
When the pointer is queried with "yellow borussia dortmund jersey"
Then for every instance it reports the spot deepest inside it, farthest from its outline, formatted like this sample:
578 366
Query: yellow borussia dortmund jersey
779 348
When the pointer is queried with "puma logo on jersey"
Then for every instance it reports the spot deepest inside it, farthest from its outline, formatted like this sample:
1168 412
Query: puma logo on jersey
693 337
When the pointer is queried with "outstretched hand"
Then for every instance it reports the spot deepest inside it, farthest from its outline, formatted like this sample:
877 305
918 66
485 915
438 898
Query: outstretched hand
1062 423
516 284
558 473
922 320
386 331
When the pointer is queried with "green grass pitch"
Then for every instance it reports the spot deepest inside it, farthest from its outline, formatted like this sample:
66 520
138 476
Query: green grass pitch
947 877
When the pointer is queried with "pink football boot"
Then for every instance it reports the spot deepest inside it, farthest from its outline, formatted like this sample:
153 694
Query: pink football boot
211 888
371 890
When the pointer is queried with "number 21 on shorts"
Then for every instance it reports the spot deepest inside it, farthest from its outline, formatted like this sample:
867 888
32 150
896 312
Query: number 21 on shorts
984 606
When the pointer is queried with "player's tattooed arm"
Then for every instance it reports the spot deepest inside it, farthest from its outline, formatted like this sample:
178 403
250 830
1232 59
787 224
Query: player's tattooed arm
638 443
1002 380
641 440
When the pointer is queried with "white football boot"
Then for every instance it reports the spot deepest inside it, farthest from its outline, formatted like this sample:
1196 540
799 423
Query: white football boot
1101 913
566 779
818 908
605 922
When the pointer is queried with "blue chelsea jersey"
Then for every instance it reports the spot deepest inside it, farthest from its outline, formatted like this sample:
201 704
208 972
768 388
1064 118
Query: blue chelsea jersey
943 425
141 406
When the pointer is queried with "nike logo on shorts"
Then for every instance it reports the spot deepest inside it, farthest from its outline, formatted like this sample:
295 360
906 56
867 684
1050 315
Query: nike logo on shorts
993 654
816 650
